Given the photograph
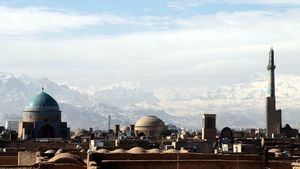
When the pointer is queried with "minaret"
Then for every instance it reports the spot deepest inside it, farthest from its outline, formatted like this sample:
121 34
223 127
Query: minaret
271 69
273 115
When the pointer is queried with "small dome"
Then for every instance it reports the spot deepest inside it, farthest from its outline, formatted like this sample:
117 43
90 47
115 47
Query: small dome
183 150
43 100
137 150
197 138
274 150
149 121
118 151
103 151
226 133
67 158
170 151
153 151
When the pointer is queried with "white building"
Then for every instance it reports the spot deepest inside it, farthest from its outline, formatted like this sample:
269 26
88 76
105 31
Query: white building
12 125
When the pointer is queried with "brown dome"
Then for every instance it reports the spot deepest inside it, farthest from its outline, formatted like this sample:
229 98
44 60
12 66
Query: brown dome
274 150
118 151
103 151
136 150
170 151
153 151
149 121
67 158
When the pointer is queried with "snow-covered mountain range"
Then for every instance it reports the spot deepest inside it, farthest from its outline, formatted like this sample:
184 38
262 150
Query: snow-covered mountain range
238 105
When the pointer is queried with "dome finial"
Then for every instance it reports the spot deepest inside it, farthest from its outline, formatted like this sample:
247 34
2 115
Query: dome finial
43 87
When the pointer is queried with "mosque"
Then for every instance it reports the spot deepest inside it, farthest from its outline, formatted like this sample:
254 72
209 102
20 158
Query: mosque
42 119
149 126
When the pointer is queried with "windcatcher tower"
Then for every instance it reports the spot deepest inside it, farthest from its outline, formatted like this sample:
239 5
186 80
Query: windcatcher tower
209 130
273 115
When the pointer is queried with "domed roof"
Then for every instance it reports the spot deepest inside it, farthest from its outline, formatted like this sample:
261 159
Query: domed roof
183 150
274 150
170 151
154 150
43 100
226 133
137 150
103 151
197 138
67 158
118 151
149 121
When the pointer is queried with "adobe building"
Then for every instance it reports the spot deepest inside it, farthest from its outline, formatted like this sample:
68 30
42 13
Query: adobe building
42 119
149 126
139 158
209 130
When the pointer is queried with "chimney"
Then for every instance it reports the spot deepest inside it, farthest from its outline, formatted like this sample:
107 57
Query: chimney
117 130
132 130
109 121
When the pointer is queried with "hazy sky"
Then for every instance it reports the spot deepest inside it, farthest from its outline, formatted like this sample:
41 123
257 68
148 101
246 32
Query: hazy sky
158 42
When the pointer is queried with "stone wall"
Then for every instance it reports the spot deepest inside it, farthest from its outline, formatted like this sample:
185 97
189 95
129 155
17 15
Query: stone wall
44 166
28 157
182 161
9 158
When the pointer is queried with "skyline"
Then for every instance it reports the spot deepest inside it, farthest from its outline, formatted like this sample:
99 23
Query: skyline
163 43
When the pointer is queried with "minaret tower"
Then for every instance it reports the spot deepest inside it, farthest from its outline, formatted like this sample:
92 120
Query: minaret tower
271 68
273 115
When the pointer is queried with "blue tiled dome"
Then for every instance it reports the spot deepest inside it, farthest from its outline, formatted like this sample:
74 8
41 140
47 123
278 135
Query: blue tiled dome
43 100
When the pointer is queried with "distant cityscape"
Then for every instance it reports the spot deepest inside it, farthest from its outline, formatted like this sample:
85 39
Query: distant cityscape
168 84
42 140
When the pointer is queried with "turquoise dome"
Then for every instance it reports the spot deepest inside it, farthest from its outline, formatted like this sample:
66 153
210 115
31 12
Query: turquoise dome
43 100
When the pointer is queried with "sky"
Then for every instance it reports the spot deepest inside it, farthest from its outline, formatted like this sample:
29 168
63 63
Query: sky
183 43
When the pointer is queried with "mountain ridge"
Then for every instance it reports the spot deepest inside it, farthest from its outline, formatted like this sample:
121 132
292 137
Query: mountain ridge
237 105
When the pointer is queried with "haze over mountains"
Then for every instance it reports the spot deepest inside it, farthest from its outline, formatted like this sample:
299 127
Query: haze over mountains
238 105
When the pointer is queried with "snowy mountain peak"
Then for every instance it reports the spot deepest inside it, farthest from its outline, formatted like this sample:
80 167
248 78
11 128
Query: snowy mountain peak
239 104
128 85
5 76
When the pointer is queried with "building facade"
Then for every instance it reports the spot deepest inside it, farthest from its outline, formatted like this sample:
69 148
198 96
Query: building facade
42 119
149 126
12 125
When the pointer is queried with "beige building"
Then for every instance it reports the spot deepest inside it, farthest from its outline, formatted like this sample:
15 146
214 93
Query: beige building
149 126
